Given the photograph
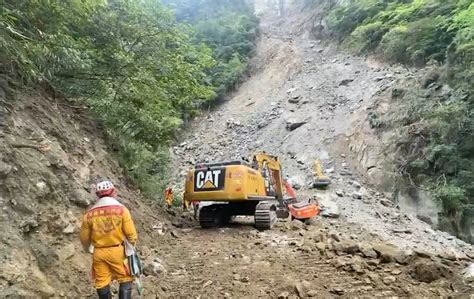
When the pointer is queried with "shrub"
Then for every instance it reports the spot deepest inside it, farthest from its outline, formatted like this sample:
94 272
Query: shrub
366 38
342 20
451 197
394 44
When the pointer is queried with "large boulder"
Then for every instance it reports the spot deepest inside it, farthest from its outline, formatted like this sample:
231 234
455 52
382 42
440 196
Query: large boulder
297 182
66 252
154 268
468 274
386 253
367 251
297 225
294 123
302 288
80 198
329 207
346 246
429 271
5 169
358 265
321 247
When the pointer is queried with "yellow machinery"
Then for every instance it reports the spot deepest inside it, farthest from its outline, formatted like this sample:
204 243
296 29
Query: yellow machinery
320 179
238 188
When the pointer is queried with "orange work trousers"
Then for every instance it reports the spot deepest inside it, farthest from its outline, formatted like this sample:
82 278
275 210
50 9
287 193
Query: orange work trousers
110 263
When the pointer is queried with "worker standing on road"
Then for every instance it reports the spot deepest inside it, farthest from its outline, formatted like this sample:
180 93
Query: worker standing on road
195 204
185 204
106 226
169 196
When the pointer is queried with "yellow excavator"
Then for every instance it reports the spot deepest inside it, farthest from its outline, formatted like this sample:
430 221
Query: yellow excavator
320 179
244 187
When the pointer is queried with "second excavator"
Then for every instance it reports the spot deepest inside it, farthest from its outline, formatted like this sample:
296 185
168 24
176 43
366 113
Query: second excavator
253 187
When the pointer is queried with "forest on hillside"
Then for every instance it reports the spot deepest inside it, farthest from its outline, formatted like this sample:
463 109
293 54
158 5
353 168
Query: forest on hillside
228 27
141 67
436 134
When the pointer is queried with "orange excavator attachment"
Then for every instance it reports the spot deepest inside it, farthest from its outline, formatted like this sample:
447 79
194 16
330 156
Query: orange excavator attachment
304 210
300 210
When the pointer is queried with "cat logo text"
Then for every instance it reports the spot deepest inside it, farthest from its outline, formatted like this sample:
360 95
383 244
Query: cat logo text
209 179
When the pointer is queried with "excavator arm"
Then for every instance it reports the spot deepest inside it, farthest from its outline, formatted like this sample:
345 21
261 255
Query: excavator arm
271 169
304 210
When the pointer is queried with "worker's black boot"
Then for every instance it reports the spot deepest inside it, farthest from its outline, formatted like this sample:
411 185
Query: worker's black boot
125 290
104 293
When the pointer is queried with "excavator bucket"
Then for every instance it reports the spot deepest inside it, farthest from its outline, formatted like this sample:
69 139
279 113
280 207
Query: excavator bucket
321 182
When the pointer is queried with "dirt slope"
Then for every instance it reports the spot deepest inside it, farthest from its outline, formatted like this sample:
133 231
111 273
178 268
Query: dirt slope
51 154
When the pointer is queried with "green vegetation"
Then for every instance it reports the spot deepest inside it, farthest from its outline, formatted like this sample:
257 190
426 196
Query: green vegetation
131 62
229 28
437 130
406 31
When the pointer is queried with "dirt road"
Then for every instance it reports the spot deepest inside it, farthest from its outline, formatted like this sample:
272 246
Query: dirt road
294 261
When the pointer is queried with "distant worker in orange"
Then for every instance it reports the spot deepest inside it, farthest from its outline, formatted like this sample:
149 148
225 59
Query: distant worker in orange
185 202
169 196
195 204
105 226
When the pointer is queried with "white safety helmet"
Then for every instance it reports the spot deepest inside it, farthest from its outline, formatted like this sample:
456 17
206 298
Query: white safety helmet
104 188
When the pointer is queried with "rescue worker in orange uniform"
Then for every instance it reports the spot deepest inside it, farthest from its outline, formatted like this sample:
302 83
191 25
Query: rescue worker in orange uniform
105 226
169 196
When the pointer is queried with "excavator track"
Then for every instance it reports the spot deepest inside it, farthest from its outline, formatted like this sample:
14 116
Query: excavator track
265 215
213 216
208 217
